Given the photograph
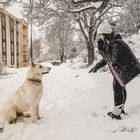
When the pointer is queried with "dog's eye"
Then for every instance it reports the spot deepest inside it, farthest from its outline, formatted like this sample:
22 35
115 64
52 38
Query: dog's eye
40 67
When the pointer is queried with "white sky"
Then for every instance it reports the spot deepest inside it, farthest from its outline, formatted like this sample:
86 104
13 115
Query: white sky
16 10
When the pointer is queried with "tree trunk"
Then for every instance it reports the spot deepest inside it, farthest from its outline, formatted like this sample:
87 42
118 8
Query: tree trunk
90 46
89 41
62 56
90 54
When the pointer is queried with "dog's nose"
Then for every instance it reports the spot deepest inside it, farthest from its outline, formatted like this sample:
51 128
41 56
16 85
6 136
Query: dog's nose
49 68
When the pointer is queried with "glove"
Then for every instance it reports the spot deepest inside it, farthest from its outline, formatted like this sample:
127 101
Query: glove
92 70
100 44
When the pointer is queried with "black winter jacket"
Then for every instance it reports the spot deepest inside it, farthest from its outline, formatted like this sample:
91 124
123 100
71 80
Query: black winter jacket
121 57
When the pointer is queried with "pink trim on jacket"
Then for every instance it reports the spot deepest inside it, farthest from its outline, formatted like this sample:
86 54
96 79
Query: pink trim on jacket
115 74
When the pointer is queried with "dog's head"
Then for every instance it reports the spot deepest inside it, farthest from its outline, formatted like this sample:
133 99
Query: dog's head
36 70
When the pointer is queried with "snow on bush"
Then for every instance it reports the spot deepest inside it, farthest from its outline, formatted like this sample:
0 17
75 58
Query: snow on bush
2 68
134 43
80 61
77 0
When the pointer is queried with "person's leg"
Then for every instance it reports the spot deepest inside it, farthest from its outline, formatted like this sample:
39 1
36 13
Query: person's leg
124 94
119 93
119 99
124 100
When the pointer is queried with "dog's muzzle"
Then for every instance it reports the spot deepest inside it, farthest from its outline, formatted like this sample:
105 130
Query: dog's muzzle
47 71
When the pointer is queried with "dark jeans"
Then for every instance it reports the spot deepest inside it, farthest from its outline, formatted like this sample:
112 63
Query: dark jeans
120 93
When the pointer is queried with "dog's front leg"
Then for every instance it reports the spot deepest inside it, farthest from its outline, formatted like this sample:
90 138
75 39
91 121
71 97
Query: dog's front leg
37 111
33 113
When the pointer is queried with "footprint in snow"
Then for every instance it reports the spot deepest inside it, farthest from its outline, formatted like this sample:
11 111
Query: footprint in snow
124 129
94 114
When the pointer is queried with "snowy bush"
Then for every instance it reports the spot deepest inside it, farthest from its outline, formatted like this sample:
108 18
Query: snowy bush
2 68
134 43
80 61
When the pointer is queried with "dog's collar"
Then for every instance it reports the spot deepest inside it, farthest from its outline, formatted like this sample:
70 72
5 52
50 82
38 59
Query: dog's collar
35 80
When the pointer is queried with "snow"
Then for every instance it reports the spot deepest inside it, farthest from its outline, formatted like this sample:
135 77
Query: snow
74 107
91 5
76 0
134 43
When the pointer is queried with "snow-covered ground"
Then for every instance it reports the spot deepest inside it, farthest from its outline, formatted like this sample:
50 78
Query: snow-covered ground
74 107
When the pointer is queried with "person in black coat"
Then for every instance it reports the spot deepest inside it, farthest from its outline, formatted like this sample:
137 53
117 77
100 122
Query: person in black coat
122 63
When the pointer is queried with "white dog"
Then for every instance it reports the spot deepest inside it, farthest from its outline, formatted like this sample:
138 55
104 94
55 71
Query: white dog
26 98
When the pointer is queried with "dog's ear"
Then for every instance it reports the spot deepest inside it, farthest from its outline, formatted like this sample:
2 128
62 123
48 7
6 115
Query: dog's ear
32 63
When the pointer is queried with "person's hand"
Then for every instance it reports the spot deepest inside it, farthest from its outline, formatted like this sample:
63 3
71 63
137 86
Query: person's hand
100 44
93 70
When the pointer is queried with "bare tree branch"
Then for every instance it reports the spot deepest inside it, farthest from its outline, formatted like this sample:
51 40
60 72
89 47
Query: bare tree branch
3 4
7 3
116 4
82 29
105 10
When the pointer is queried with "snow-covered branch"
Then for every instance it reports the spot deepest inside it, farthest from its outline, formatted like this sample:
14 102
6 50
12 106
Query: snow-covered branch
84 1
93 5
115 4
5 3
105 10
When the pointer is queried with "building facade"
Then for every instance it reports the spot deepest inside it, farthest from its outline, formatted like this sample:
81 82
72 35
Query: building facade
13 40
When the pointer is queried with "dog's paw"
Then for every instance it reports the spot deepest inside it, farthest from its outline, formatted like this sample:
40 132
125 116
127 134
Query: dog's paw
13 121
34 121
40 117
1 129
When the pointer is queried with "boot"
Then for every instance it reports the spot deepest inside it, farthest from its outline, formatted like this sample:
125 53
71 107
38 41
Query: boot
123 112
113 116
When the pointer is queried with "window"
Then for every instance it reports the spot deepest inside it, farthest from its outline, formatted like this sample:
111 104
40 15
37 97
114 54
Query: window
12 29
17 55
12 37
4 59
12 40
17 26
4 47
3 36
12 60
3 33
12 24
3 20
17 48
12 48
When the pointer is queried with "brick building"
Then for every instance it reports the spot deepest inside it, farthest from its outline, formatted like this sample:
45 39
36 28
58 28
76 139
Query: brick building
13 40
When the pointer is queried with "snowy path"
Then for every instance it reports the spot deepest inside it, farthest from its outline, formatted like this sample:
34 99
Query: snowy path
74 105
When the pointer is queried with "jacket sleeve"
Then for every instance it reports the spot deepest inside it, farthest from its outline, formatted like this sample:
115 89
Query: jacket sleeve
100 64
112 55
